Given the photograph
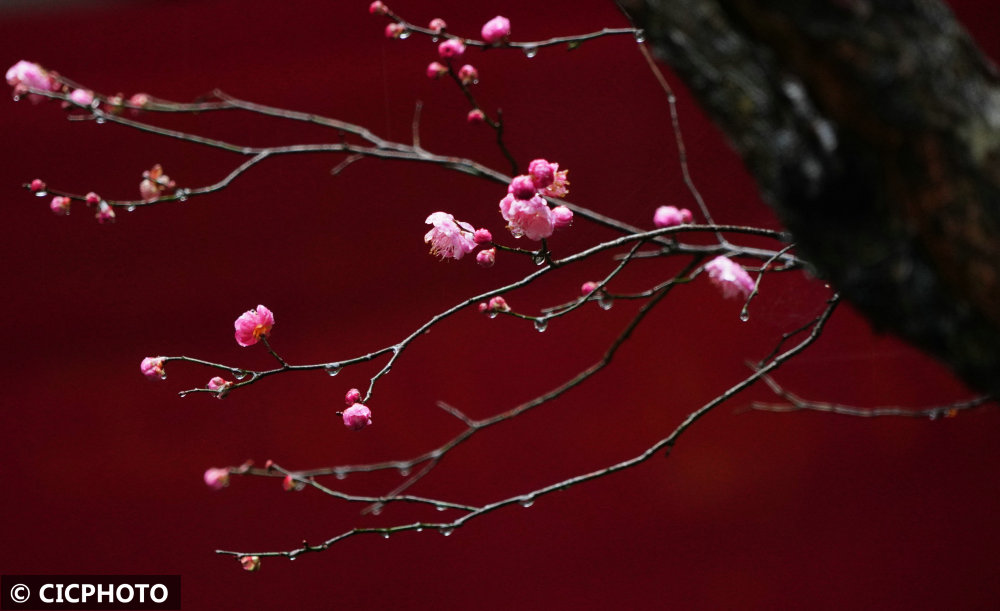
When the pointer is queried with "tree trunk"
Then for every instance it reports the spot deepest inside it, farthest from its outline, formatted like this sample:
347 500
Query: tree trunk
873 129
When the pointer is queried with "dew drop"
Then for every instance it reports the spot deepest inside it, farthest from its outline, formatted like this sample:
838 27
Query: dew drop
340 475
182 195
404 471
440 507
435 39
539 259
100 121
640 36
404 34
377 510
492 314
419 529
239 374
41 193
530 52
526 502
541 324
130 209
447 531
933 415
332 369
385 535
605 301
17 98
744 315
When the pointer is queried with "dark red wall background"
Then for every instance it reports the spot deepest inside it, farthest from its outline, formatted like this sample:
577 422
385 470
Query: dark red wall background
102 470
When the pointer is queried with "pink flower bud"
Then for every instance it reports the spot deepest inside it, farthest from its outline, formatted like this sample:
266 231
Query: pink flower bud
669 216
93 198
451 48
522 187
588 288
220 386
289 484
498 304
486 258
82 97
482 236
217 479
542 172
482 306
437 25
60 205
36 185
250 563
436 70
252 325
394 30
352 396
468 74
561 217
152 368
105 213
137 101
496 29
449 239
357 417
729 277
476 117
378 8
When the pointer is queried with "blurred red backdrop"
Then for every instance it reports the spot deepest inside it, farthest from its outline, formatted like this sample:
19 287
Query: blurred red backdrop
102 470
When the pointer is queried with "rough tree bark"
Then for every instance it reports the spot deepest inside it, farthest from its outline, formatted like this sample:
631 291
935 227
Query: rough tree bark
873 129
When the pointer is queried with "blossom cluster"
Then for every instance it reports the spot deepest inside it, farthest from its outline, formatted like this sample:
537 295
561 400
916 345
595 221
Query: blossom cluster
524 207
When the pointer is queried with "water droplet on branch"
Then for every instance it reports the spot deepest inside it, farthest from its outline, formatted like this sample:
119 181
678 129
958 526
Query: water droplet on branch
526 502
332 369
541 324
530 52
640 36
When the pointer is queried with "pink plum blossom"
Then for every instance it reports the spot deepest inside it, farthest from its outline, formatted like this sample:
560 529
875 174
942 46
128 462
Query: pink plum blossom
139 100
670 216
729 277
496 29
451 48
486 258
377 8
357 417
216 479
92 198
352 396
531 218
449 238
105 213
60 205
437 25
252 325
562 217
37 185
522 187
542 172
26 75
560 183
482 236
82 97
154 182
250 563
436 70
468 74
152 368
476 116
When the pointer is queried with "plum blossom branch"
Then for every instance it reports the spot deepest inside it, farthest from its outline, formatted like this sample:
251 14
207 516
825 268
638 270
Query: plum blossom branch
796 403
526 499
